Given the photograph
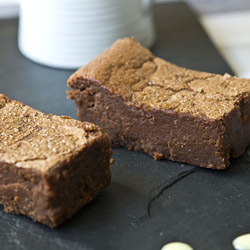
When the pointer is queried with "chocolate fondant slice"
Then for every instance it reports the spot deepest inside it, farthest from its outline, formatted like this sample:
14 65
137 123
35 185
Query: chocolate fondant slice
148 104
50 166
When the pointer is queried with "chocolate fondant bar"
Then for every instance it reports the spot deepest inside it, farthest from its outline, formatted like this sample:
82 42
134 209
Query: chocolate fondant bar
50 166
148 104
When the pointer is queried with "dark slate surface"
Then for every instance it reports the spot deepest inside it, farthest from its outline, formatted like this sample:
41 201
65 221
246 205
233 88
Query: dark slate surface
148 203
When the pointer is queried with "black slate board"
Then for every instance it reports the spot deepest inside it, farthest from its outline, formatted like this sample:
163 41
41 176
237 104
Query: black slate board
148 203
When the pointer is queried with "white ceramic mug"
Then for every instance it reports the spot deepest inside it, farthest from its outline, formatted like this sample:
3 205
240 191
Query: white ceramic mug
70 33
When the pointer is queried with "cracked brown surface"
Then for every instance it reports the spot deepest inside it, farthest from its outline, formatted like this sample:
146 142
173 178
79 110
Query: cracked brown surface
30 138
50 166
131 71
148 104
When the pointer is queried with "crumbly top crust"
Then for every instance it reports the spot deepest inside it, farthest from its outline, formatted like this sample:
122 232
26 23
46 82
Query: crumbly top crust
31 139
131 71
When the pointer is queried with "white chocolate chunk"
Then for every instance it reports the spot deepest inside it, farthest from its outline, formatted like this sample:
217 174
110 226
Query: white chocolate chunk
177 246
242 242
